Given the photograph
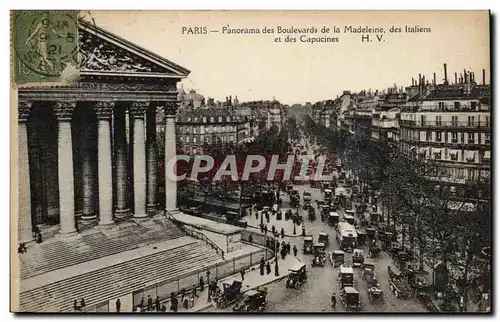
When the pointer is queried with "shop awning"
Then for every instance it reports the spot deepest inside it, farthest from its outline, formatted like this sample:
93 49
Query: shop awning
471 155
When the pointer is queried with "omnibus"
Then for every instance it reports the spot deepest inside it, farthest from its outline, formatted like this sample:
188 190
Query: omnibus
346 236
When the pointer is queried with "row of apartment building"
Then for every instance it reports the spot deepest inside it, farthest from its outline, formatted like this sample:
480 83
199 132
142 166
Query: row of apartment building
447 122
198 122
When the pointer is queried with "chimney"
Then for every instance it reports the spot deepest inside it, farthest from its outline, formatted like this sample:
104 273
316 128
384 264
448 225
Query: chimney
413 81
484 76
445 75
434 79
456 80
472 78
465 76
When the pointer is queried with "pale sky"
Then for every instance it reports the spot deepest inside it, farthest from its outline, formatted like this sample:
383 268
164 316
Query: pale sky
254 67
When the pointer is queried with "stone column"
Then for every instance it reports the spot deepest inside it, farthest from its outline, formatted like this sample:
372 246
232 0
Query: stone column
170 151
104 110
151 160
138 112
88 176
65 169
121 166
24 229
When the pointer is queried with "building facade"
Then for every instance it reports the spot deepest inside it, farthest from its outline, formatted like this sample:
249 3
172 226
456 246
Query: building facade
87 151
450 123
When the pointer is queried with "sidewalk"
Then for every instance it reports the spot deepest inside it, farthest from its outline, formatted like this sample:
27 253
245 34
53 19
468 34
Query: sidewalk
253 279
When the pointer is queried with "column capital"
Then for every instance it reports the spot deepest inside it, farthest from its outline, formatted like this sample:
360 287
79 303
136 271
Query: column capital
170 108
104 110
138 109
23 110
64 110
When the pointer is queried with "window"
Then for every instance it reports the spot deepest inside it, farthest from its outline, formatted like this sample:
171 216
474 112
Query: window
454 155
189 119
429 136
457 105
470 156
207 138
204 119
471 120
194 129
473 105
216 129
194 150
223 138
187 139
487 138
220 118
422 119
438 120
437 154
231 138
438 136
471 138
202 138
462 137
454 120
211 119
194 139
223 129
181 138
196 119
454 137
441 105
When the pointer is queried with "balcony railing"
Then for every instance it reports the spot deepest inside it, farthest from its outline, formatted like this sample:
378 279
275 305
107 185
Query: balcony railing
461 124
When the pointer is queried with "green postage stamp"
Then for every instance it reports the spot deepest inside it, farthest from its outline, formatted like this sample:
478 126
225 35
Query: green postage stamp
45 44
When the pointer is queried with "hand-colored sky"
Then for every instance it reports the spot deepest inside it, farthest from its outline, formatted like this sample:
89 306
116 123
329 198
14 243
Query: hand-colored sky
254 67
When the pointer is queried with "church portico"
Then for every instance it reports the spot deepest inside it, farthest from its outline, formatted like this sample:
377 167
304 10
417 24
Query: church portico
80 145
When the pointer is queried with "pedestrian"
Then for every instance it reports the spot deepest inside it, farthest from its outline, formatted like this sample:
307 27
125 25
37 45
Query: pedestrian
185 304
39 237
157 303
22 248
118 305
163 308
262 264
273 229
183 294
250 238
82 302
262 228
141 303
294 250
265 229
277 246
276 269
268 268
202 284
288 247
192 298
150 302
334 300
257 215
195 291
242 273
208 276
174 305
282 233
209 299
75 306
303 229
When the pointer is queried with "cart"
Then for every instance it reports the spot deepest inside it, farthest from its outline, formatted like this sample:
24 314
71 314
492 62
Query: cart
324 238
297 276
308 245
319 247
312 214
333 218
337 257
254 301
374 218
358 257
328 194
306 196
346 276
368 270
306 205
375 293
349 218
231 294
319 257
350 298
371 233
361 237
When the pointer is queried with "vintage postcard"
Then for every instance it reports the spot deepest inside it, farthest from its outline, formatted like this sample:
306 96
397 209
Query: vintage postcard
250 161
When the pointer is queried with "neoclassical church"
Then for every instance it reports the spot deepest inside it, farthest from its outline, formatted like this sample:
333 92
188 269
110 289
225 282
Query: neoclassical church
88 151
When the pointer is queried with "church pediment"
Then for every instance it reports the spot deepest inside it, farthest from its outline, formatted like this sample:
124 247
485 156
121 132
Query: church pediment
104 52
